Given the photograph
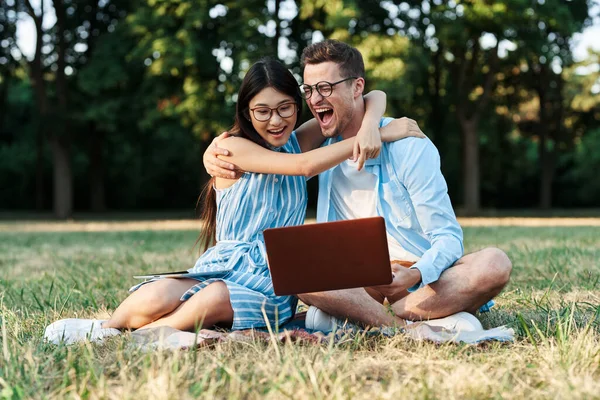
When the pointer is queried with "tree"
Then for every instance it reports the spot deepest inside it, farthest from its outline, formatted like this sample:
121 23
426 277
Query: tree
8 65
464 40
543 52
60 50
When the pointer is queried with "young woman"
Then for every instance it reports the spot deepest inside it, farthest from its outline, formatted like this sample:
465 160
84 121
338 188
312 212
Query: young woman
234 288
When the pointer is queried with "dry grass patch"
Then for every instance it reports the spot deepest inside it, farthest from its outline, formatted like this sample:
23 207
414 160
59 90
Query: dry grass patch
553 303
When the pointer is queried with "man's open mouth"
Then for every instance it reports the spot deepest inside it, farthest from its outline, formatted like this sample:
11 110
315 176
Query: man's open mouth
325 114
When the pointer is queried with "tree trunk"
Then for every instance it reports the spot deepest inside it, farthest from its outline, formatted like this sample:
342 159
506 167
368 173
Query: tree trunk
547 176
438 112
40 138
63 178
469 114
545 157
96 145
96 173
471 200
4 82
63 186
36 74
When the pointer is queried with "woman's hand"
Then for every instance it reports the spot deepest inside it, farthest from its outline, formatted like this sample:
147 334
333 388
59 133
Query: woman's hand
401 128
367 143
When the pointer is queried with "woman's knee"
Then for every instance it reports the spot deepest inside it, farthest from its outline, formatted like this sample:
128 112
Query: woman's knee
219 292
161 295
218 298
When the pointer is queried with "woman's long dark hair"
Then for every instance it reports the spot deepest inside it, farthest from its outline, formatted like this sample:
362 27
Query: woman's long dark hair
263 74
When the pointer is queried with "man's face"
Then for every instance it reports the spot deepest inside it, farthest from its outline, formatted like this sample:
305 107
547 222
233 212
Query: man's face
336 111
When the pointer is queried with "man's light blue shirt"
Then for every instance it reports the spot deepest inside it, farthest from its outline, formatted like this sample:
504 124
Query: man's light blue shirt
412 196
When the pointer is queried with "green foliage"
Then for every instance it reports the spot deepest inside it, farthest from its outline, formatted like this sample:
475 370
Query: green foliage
152 81
17 144
586 163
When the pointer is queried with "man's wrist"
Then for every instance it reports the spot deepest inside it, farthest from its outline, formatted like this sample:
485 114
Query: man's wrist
415 276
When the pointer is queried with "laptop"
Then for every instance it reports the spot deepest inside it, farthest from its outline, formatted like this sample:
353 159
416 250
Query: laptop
328 256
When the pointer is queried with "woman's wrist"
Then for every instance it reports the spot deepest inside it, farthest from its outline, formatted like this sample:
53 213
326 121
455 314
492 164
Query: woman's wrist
370 121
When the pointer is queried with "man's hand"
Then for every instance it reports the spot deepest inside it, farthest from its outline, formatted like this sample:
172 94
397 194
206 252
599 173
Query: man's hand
216 167
403 279
367 144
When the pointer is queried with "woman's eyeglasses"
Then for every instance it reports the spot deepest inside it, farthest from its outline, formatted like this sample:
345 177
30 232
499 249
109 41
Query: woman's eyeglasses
324 88
264 114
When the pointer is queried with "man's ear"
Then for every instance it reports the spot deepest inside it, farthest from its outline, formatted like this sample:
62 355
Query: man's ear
359 87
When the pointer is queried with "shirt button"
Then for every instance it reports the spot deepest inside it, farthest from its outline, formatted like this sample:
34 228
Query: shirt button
276 180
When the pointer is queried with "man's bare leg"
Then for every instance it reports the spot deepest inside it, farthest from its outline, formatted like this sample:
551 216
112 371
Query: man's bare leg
354 304
473 280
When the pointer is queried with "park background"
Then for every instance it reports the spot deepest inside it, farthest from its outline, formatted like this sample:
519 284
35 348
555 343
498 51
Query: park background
109 105
105 110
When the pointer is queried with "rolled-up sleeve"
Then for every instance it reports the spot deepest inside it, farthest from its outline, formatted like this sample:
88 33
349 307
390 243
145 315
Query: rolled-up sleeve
418 168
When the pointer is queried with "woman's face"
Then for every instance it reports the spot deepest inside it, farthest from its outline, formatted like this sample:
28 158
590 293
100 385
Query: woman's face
282 109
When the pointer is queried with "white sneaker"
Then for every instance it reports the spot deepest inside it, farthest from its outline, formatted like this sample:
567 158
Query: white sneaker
74 330
319 320
459 322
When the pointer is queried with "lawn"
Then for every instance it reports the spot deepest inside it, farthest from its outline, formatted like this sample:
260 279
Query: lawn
552 302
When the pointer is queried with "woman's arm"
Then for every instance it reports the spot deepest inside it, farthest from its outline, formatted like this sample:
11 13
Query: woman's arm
251 157
395 130
310 137
401 128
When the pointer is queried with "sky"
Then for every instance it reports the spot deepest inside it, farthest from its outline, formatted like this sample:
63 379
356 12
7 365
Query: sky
589 38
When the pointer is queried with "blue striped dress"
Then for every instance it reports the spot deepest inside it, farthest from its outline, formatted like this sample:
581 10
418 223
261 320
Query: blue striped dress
254 203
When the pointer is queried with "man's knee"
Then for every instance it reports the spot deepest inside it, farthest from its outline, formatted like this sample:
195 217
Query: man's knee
495 268
307 298
499 262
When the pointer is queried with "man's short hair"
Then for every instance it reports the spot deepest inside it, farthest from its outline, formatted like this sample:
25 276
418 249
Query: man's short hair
345 56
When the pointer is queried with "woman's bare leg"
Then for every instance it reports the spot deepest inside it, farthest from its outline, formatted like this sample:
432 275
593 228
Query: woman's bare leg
149 303
208 307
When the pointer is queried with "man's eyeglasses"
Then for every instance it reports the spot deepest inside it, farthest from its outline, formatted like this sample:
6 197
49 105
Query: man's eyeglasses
264 114
324 88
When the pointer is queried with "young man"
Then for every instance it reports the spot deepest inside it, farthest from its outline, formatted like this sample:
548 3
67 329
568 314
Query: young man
403 184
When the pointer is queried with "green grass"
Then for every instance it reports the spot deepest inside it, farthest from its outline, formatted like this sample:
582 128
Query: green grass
553 303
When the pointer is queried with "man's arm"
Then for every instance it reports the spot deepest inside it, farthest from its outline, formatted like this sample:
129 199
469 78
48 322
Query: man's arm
215 166
418 168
